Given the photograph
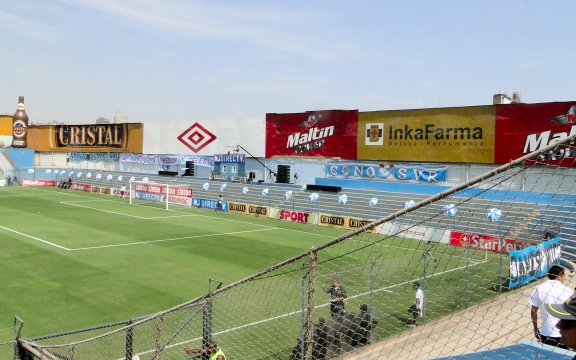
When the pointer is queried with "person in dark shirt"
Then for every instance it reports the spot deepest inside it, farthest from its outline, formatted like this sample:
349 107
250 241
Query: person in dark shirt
337 297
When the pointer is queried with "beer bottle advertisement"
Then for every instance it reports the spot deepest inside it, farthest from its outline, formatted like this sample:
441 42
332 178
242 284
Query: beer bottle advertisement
20 126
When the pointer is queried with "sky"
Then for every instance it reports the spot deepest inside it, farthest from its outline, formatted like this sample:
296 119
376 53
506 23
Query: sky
186 60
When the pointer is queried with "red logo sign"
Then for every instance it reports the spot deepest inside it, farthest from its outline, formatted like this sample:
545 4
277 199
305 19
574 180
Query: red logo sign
196 137
486 242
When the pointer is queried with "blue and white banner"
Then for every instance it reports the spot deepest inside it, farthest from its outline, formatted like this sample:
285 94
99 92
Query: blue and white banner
209 204
393 173
533 262
230 158
82 156
182 159
148 196
139 158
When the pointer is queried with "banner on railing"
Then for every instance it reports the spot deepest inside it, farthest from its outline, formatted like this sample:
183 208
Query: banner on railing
167 160
82 156
533 262
139 158
387 172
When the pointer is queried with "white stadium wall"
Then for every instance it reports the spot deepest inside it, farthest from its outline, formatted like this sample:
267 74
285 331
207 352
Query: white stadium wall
205 137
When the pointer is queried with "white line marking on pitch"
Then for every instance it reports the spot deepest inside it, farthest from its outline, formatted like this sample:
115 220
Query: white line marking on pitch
298 312
34 238
124 214
106 211
172 239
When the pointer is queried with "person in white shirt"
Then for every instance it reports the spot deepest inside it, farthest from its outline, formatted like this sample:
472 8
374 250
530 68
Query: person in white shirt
417 309
549 292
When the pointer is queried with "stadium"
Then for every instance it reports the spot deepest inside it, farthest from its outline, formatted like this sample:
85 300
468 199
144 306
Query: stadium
117 245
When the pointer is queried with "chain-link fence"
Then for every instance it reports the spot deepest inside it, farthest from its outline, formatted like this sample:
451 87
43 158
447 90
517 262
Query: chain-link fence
437 258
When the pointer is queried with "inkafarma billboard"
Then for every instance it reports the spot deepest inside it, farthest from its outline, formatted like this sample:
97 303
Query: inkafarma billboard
459 134
329 134
523 128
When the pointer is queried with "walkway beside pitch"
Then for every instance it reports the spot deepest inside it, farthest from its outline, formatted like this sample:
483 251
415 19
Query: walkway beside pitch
503 320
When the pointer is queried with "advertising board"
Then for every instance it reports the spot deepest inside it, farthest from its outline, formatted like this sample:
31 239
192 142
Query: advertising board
523 128
330 133
462 134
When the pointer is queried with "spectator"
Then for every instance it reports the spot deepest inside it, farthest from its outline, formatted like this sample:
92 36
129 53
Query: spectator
212 351
566 312
297 350
8 181
337 297
320 340
549 292
123 191
15 180
219 203
417 309
366 324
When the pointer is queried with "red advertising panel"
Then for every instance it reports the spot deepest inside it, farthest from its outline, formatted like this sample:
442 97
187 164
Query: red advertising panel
330 133
486 242
294 216
523 128
26 182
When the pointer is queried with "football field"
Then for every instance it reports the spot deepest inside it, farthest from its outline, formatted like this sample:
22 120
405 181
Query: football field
72 259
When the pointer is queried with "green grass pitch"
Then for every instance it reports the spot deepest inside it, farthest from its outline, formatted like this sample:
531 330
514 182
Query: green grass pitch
71 259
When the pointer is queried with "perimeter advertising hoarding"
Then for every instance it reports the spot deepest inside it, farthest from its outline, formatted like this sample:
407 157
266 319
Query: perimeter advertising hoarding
464 134
523 128
90 137
330 133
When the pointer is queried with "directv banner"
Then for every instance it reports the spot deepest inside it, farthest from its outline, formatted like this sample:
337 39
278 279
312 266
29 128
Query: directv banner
209 204
230 158
533 262
148 196
403 173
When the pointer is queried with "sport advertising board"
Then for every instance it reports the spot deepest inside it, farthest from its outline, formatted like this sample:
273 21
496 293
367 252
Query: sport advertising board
329 133
523 128
463 134
292 215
